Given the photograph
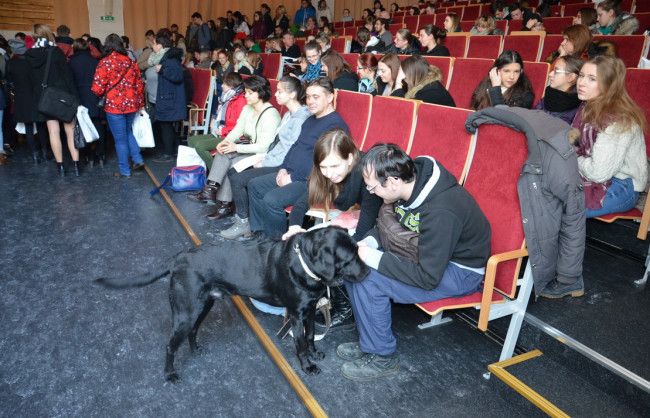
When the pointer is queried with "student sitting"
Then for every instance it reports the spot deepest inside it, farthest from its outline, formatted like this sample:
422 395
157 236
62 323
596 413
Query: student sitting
485 25
421 81
405 44
560 97
430 38
339 72
367 72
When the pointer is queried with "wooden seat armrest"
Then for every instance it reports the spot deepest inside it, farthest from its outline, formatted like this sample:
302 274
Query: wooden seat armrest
488 285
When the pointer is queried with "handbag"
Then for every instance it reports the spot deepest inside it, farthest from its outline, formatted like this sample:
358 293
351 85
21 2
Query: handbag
78 136
394 237
183 179
56 103
102 100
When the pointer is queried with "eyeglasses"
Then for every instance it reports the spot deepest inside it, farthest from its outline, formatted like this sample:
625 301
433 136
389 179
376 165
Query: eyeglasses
371 188
361 68
561 71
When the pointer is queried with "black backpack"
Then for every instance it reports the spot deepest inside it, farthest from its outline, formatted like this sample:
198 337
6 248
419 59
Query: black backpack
188 84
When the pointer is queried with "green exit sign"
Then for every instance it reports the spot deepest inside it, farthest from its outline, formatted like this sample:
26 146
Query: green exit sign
107 18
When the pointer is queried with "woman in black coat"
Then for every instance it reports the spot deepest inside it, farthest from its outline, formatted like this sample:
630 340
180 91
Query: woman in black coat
60 77
83 66
421 81
170 98
20 82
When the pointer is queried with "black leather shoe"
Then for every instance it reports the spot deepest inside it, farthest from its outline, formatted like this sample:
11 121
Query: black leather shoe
224 209
343 320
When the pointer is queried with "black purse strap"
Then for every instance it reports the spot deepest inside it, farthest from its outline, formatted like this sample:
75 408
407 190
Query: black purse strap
47 67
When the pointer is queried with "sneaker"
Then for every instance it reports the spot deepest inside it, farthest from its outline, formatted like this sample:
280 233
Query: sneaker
556 290
163 158
350 351
239 228
371 366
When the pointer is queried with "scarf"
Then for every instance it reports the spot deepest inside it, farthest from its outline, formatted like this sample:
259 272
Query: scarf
245 63
594 192
226 96
560 101
155 57
313 71
42 43
367 86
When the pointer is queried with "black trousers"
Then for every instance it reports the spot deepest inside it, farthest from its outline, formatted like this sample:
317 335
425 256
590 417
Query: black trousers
239 185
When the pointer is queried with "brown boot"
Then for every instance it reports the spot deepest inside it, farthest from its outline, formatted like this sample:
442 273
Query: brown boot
207 194
224 209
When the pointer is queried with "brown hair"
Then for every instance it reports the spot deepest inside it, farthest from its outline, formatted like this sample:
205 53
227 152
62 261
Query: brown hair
580 37
253 58
416 69
573 66
321 190
455 21
487 21
368 61
335 63
608 5
43 32
393 62
79 45
588 16
613 103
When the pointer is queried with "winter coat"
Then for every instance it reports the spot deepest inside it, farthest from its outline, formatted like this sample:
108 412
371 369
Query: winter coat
128 95
171 104
550 191
346 81
233 110
83 66
624 24
431 92
20 81
437 51
410 49
59 76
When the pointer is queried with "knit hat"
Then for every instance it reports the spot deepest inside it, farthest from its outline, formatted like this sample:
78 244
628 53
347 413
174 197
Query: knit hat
29 41
18 46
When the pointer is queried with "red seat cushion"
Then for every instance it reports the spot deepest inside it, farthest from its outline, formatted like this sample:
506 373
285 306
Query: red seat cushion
468 301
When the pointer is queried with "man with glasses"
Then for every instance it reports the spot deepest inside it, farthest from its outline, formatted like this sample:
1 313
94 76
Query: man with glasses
431 242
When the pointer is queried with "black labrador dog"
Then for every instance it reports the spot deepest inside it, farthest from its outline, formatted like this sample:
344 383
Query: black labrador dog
292 273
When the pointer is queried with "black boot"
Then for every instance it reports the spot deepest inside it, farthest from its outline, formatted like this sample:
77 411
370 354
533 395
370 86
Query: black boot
37 158
76 168
60 169
341 312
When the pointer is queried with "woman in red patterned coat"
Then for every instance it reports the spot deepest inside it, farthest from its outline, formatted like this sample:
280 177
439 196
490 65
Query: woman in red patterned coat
119 78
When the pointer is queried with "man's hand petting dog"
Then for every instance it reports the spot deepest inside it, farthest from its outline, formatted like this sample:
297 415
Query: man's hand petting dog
274 272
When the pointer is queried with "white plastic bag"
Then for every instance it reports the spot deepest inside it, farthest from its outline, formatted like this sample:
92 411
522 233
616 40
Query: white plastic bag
20 128
86 124
187 156
142 130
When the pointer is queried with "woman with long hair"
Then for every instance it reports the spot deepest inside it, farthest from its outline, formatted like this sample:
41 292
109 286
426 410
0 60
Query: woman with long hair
224 64
367 72
452 23
430 38
257 122
560 97
338 71
414 11
587 16
59 76
368 43
255 61
612 21
506 83
258 31
281 19
388 69
336 183
421 81
611 151
577 40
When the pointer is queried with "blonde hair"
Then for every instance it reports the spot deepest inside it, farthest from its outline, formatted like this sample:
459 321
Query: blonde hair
253 58
614 103
43 32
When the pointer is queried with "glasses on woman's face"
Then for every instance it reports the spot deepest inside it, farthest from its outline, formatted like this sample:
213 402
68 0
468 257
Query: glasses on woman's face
361 68
556 71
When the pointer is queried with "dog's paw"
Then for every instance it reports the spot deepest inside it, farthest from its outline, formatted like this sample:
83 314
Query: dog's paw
316 355
311 369
173 377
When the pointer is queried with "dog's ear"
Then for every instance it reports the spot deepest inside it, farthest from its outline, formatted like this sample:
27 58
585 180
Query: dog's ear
319 246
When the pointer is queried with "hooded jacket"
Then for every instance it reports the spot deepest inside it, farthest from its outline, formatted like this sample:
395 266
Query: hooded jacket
551 197
450 224
346 81
624 24
171 104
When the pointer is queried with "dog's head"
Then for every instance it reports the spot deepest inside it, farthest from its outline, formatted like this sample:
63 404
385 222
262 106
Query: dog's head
332 254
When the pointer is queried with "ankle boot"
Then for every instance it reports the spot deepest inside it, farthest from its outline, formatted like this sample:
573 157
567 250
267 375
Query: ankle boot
208 194
341 311
76 168
60 169
224 209
37 158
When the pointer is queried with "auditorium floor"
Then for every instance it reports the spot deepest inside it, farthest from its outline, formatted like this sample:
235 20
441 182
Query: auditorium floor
69 348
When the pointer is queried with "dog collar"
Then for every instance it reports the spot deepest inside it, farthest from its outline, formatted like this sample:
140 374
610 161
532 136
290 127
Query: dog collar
296 249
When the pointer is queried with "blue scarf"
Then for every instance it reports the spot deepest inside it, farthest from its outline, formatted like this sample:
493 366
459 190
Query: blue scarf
313 71
367 86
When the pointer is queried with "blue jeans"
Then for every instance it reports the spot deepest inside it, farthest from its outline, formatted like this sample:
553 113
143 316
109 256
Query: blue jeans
125 143
371 297
620 197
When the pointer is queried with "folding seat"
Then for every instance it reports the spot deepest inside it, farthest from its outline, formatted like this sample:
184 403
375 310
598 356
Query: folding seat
537 72
355 109
412 23
492 169
502 25
262 44
339 25
272 65
445 65
300 43
458 10
467 25
456 43
201 103
644 21
351 30
440 132
642 7
352 60
570 2
394 27
472 12
349 23
626 5
465 76
630 47
554 25
398 18
486 46
426 19
392 120
551 44
571 10
557 11
339 45
528 44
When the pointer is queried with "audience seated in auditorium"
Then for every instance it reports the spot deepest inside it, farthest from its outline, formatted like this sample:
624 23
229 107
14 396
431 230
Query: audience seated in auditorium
339 72
346 16
387 69
304 13
405 44
430 38
611 21
418 80
414 11
506 83
452 23
485 25
589 17
324 42
253 134
289 48
381 27
367 43
499 10
281 19
578 41
367 72
313 53
560 97
612 155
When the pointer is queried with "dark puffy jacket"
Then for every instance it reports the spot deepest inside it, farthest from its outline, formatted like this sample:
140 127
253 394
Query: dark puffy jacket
347 81
83 66
171 104
550 190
